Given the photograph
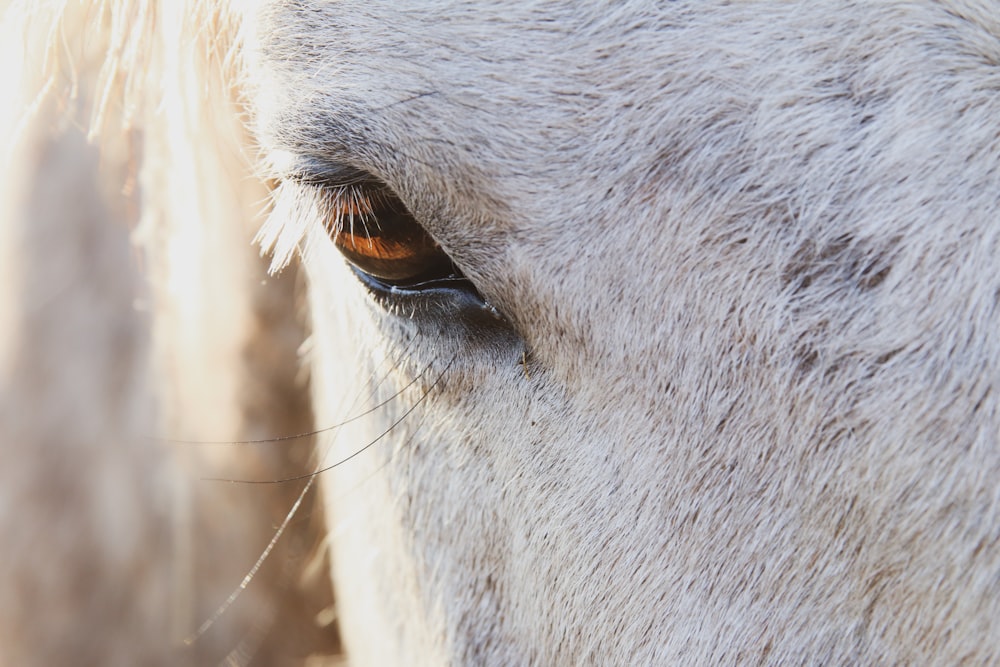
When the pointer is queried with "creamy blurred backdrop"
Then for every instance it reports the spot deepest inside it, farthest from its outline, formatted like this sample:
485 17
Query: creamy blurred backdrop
124 330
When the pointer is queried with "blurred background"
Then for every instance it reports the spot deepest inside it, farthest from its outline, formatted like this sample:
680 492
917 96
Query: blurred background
137 319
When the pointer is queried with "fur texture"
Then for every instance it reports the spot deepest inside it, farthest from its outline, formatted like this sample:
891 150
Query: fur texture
741 406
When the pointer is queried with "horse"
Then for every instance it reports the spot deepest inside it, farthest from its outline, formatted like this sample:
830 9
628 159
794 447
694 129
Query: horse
593 333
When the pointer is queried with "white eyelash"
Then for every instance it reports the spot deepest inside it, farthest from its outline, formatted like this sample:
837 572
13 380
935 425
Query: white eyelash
297 207
286 225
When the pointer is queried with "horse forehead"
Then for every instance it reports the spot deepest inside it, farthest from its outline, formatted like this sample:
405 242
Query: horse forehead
516 87
409 38
490 101
459 84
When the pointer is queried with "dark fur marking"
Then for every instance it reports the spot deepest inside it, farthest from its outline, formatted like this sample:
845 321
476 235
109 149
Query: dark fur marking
842 260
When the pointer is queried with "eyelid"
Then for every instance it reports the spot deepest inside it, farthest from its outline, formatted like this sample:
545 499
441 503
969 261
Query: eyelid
316 173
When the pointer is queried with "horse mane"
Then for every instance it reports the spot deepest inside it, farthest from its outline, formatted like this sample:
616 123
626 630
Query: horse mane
127 131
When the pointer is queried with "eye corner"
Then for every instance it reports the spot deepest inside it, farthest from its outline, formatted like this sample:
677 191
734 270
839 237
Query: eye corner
450 305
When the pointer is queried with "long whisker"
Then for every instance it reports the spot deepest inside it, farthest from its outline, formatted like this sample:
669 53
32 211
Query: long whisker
347 458
381 466
306 434
253 570
310 481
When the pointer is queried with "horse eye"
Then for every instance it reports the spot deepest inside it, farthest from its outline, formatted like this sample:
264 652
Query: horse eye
375 232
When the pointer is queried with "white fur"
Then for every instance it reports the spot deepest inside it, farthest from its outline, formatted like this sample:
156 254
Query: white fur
743 407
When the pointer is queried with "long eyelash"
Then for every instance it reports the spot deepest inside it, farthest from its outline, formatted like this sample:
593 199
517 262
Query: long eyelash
297 206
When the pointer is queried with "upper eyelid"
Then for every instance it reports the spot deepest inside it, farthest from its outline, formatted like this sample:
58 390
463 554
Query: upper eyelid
320 173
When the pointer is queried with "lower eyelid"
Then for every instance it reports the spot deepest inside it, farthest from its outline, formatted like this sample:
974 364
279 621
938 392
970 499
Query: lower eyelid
448 297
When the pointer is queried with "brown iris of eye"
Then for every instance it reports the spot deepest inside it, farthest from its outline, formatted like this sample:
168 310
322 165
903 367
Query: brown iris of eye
376 233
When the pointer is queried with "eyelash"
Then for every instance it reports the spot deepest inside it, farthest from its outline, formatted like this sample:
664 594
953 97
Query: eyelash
297 205
347 204
295 208
370 227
